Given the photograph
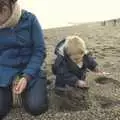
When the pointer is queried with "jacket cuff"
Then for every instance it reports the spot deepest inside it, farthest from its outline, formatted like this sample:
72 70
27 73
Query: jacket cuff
28 77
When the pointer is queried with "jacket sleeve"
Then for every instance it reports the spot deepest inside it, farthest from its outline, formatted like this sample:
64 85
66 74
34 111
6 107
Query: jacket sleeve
91 63
38 54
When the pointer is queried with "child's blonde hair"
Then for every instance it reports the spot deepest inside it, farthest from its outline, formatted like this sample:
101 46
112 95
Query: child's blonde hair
75 45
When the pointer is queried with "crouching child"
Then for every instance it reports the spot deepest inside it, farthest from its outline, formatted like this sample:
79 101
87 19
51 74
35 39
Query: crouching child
72 62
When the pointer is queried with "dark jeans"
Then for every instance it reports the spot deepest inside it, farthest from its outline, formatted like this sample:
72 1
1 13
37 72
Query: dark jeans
34 99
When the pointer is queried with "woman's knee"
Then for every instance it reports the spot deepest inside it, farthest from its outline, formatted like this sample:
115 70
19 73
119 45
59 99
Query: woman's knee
5 102
4 111
35 99
35 109
35 104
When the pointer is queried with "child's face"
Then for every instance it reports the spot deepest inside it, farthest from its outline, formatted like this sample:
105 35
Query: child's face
77 58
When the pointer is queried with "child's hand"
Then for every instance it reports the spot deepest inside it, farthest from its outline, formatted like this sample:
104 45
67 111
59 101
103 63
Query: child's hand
82 84
102 73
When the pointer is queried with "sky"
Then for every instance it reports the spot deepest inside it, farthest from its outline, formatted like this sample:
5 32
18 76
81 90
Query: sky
57 13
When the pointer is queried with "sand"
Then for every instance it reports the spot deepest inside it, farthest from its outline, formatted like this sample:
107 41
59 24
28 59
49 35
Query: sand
104 94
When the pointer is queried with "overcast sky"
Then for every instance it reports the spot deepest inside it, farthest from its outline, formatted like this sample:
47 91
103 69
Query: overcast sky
54 13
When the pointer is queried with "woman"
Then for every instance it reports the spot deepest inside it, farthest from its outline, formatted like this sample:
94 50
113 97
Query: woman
22 52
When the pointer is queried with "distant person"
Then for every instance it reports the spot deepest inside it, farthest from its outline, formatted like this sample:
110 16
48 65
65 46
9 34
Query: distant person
104 23
114 22
22 53
72 62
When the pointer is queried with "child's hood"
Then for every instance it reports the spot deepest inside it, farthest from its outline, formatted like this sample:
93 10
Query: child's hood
61 45
60 49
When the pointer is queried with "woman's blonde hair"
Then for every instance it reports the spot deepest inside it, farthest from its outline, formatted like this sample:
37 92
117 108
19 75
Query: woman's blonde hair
75 45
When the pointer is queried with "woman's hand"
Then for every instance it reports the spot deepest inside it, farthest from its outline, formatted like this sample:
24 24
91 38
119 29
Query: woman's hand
20 86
